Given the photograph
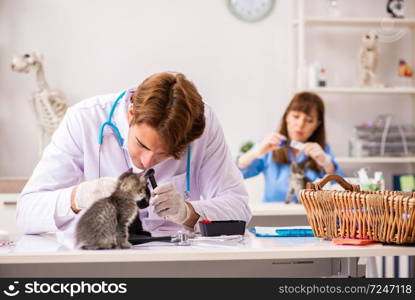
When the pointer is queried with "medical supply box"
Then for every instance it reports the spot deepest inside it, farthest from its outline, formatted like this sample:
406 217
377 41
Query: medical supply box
216 228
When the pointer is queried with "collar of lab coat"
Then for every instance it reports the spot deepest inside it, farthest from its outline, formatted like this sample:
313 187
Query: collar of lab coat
120 116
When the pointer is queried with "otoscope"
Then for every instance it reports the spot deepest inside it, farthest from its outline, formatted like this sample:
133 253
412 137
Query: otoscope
181 239
149 174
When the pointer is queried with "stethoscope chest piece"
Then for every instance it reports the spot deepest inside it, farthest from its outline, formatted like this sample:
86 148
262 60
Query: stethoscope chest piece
181 239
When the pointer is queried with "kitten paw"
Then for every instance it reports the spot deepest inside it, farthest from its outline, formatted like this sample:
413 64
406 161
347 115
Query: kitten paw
98 247
126 245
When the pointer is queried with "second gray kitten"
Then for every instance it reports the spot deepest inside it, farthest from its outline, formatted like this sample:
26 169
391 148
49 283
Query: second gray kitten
105 224
297 181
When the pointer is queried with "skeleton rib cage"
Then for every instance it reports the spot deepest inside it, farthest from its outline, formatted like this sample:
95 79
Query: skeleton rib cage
49 111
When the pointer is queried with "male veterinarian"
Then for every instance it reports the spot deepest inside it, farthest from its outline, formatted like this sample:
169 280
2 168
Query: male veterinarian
162 124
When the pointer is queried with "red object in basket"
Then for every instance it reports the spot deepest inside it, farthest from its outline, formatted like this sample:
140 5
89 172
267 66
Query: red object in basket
356 242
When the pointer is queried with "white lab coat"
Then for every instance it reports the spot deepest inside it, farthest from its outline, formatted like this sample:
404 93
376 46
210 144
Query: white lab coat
72 157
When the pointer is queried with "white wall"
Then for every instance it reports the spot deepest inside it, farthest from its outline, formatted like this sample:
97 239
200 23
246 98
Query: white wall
101 46
243 70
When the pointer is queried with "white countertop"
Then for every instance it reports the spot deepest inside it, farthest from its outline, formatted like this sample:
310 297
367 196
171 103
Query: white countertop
8 198
46 249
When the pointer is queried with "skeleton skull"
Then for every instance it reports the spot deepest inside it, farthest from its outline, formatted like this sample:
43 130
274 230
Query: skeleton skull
24 63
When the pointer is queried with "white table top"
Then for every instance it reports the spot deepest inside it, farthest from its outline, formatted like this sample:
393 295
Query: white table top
46 249
8 198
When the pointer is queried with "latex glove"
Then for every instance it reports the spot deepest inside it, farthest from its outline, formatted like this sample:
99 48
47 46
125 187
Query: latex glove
315 151
168 202
270 143
88 192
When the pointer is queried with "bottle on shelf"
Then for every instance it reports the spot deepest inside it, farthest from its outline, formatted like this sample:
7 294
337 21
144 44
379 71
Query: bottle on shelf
313 71
322 78
404 69
379 180
333 8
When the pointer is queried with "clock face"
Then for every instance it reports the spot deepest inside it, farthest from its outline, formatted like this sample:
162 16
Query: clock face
251 10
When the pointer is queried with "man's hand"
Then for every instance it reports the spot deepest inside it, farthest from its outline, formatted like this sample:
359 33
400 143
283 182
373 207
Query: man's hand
168 202
88 192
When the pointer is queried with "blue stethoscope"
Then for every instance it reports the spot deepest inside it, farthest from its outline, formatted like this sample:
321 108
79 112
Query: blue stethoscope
121 143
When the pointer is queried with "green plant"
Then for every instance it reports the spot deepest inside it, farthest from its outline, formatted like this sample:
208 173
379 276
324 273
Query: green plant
246 147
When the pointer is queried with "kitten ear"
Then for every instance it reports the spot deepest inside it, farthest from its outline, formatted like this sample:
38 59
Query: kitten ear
307 164
302 164
143 178
125 174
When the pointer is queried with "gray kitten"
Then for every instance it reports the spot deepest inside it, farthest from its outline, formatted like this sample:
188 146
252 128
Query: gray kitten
105 224
297 181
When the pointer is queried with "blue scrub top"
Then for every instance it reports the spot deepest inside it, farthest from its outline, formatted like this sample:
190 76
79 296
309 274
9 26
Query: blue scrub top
277 175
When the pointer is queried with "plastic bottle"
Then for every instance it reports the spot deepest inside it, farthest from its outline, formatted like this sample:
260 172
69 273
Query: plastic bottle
322 78
333 8
380 180
313 74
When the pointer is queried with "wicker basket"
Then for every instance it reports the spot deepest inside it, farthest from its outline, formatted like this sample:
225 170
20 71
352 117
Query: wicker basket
384 216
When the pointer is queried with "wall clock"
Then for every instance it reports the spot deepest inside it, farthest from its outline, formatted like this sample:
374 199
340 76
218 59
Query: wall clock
251 10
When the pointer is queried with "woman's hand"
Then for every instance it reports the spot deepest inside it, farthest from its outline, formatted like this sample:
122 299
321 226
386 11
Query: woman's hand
270 143
317 153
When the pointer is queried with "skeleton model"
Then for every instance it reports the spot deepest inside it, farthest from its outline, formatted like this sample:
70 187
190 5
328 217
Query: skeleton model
49 104
368 59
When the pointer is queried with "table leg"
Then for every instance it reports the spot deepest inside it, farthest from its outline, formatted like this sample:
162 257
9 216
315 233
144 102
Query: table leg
351 266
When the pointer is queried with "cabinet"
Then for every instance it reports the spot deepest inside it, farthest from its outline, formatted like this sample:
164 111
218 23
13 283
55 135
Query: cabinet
352 27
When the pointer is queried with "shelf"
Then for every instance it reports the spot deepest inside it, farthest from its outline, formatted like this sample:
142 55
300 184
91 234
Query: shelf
362 90
387 29
374 159
375 22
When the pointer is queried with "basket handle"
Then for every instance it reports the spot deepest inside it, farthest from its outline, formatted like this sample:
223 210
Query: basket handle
340 180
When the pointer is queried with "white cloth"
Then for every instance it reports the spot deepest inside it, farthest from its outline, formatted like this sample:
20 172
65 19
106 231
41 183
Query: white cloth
72 157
